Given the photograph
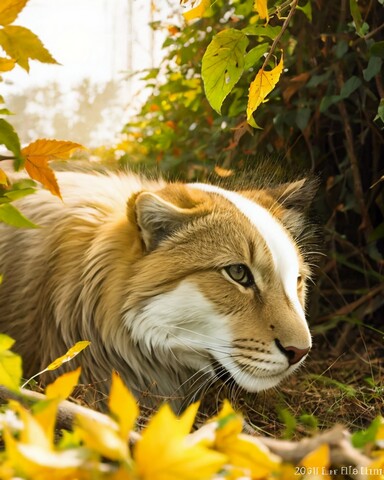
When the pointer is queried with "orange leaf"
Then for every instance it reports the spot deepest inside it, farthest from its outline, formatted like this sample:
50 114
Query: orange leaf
7 64
3 178
39 153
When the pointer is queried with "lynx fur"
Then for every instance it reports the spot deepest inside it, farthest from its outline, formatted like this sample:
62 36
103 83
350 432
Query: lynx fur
175 285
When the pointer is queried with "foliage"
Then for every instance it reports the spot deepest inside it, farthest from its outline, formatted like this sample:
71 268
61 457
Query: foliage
105 446
325 115
21 45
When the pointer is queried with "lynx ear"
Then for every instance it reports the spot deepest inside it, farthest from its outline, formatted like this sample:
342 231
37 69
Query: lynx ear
297 195
158 218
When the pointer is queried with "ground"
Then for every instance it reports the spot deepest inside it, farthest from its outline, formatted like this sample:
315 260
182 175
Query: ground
342 382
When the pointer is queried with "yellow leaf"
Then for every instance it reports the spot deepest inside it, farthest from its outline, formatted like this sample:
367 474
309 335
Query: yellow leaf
10 364
33 432
72 352
376 468
39 153
23 45
197 12
263 84
62 387
101 438
223 172
245 453
7 64
121 474
35 461
318 462
10 9
171 457
45 412
123 406
261 7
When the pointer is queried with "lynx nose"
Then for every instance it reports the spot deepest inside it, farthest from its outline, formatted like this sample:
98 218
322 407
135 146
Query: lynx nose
293 354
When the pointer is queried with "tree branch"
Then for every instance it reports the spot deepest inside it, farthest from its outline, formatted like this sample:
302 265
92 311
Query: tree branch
283 28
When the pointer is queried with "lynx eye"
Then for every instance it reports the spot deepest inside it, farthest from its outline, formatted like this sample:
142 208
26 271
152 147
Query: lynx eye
240 274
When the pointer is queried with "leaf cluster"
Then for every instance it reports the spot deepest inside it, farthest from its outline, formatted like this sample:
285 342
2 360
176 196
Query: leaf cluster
21 45
106 446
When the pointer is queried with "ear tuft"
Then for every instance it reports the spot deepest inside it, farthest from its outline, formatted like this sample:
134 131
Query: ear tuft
297 195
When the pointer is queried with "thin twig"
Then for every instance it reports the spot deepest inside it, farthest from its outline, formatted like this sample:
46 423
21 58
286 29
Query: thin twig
283 28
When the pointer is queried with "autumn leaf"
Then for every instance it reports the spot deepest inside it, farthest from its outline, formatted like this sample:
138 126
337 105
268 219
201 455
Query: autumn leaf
244 453
164 442
39 153
45 411
317 461
10 9
103 439
223 172
198 11
62 387
23 45
32 455
71 353
261 8
7 64
3 177
263 84
122 405
223 65
10 364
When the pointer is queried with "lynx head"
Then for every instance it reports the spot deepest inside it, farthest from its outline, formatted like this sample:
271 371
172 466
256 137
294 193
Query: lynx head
220 284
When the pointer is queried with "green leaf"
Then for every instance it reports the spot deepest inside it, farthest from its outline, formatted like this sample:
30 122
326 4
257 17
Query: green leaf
10 215
5 111
10 364
364 437
377 49
362 28
307 10
302 117
288 420
223 65
262 31
373 68
350 86
9 138
341 48
21 44
254 55
379 119
20 193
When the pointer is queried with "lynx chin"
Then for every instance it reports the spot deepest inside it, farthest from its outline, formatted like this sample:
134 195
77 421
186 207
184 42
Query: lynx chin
175 285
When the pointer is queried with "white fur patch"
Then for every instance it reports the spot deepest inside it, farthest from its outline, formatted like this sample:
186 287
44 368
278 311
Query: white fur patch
282 248
185 318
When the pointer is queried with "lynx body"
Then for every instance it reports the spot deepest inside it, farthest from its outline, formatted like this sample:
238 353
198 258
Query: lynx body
174 284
